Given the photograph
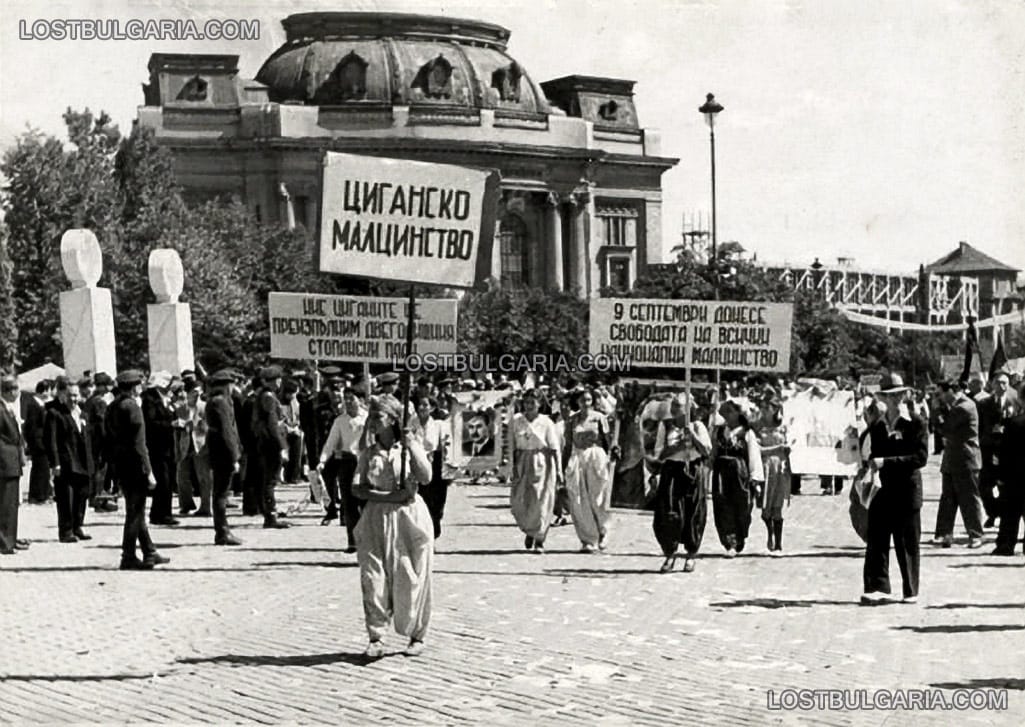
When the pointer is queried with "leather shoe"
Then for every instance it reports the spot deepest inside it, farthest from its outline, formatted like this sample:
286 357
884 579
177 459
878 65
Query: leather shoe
274 525
135 564
202 513
156 559
81 535
68 538
21 544
1002 551
165 521
228 539
327 519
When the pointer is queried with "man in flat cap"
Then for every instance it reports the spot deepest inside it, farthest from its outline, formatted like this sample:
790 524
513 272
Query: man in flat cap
388 384
12 463
223 449
129 456
270 441
102 498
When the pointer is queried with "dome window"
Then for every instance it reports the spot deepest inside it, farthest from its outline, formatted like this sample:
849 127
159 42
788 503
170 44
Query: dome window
507 82
609 110
434 79
193 90
347 82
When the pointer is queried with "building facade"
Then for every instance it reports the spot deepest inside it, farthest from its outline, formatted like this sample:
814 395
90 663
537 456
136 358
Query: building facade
581 203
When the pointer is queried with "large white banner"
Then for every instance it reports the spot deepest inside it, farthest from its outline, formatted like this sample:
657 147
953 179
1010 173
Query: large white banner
395 219
307 326
697 334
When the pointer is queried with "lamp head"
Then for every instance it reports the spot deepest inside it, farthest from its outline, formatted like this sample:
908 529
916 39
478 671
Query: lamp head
710 109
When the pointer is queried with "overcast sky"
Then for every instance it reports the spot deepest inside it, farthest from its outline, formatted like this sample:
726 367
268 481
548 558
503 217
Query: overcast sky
886 131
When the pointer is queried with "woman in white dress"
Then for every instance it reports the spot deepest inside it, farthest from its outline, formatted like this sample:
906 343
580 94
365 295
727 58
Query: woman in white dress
537 470
588 477
395 535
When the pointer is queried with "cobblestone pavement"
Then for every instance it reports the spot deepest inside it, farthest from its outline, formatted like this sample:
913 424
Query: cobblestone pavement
272 631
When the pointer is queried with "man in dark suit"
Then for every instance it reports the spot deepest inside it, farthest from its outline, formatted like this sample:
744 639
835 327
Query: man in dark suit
95 409
252 499
1011 462
269 442
999 404
224 451
69 450
899 451
12 463
160 434
328 405
959 468
130 458
33 418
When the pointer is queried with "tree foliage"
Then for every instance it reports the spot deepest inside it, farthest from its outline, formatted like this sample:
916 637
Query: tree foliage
523 322
124 190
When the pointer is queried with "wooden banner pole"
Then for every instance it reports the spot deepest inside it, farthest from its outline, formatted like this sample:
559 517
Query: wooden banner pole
406 381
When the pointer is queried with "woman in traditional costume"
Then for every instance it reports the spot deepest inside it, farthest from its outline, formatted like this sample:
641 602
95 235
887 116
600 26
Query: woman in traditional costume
772 440
537 470
681 445
736 476
395 535
588 477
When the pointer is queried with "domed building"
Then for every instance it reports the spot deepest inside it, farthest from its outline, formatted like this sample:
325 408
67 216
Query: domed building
581 203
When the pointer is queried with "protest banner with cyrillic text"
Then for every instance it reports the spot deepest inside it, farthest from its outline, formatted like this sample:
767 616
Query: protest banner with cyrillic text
418 222
353 328
693 334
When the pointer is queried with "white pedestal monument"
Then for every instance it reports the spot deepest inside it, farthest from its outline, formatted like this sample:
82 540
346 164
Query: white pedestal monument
170 322
87 314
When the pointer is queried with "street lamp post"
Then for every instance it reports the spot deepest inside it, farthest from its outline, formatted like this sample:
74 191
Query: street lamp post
710 109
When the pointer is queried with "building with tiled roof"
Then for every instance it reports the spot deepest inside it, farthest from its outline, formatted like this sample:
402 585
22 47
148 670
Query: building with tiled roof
997 292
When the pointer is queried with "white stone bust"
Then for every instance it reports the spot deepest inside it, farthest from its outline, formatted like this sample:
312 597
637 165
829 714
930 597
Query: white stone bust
81 258
166 275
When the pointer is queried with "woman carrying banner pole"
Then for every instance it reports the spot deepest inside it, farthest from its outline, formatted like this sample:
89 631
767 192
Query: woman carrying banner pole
680 508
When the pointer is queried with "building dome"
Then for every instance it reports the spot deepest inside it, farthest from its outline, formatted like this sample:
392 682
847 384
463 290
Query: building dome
374 59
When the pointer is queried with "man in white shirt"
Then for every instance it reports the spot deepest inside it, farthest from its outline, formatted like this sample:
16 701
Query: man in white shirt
338 460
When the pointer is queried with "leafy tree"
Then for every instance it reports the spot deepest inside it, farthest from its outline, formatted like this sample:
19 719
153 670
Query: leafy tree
523 322
49 190
8 322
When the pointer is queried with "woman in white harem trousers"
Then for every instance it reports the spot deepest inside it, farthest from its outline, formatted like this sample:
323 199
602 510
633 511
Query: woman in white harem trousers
588 474
395 535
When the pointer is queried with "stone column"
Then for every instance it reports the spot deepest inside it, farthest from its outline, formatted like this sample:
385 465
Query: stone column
578 260
496 254
170 322
87 312
286 211
553 257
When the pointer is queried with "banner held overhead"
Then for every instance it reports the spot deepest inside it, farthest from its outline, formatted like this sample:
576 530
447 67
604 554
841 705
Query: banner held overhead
394 219
700 334
357 328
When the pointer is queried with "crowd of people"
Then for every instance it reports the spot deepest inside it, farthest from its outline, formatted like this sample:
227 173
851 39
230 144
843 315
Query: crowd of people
379 466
